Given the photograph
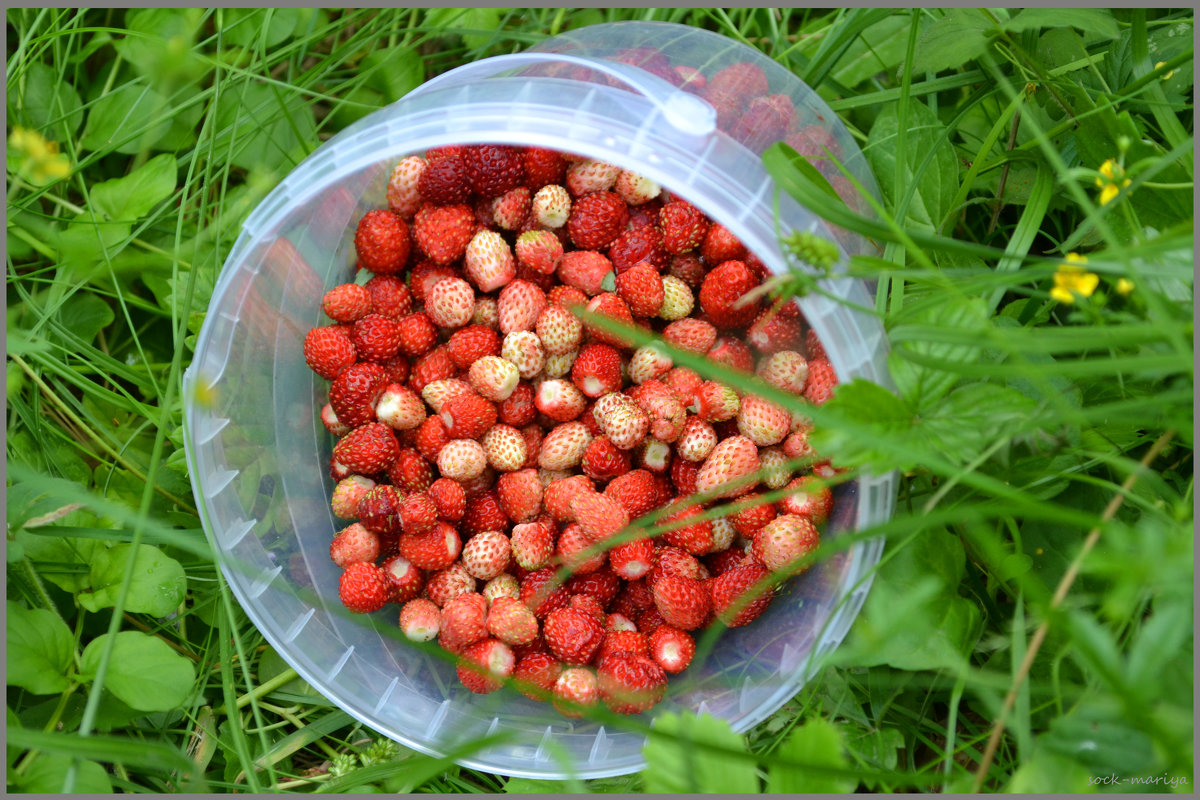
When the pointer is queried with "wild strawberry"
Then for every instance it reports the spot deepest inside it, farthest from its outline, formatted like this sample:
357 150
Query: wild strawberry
689 269
444 180
511 209
812 345
682 601
588 176
683 475
379 509
683 226
596 219
603 584
563 446
641 287
520 494
573 552
663 408
532 545
462 459
471 343
821 381
671 648
354 543
774 466
484 514
597 370
622 420
425 274
494 378
381 242
622 641
742 77
599 516
784 541
696 538
493 169
397 369
635 189
518 409
503 585
511 621
375 337
486 312
727 470
524 350
715 402
535 675
690 334
542 166
654 455
407 580
347 494
684 381
418 513
572 635
633 559
354 392
368 449
436 365
762 421
602 460
449 498
468 416
678 300
617 319
648 363
486 555
649 620
733 353
346 302
807 498
519 306
772 332
696 441
784 369
489 261
446 584
630 683
740 595
559 330
410 472
551 206
363 588
634 490
390 296
464 621
752 518
420 620
720 245
400 408
433 549
636 245
403 191
559 495
585 270
440 392
450 303
575 690
328 351
505 447
541 591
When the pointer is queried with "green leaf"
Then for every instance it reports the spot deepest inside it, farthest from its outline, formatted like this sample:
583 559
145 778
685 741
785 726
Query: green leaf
394 71
880 48
874 417
676 765
1161 638
960 36
921 385
133 196
1090 20
45 101
817 743
1048 773
84 315
40 647
248 27
45 776
120 120
936 183
475 25
159 43
84 242
529 786
157 586
143 671
914 617
271 128
1100 737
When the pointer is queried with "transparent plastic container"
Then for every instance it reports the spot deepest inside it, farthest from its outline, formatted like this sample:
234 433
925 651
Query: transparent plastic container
258 452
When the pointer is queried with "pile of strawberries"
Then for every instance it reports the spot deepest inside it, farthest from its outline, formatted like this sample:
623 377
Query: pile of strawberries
494 446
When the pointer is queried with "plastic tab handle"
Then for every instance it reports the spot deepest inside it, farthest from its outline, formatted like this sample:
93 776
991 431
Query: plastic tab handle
684 111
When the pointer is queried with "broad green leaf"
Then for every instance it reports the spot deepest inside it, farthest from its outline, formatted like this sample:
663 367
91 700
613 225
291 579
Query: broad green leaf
45 776
1163 636
128 119
394 72
1099 736
261 27
68 556
1090 20
271 127
881 418
936 183
40 647
972 417
159 43
922 386
475 25
143 671
157 586
960 36
817 742
85 241
133 196
676 765
85 315
46 101
1047 772
914 617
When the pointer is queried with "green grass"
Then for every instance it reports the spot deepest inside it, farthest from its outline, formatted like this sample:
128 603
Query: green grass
1030 625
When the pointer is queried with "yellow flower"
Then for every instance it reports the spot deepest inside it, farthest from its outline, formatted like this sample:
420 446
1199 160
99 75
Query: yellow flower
1124 287
1167 76
43 162
1071 279
1116 180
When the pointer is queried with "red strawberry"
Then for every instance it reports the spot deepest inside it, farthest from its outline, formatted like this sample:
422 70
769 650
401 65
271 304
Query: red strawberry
573 552
532 545
471 343
538 672
750 519
720 245
597 219
635 491
355 391
449 498
812 345
726 471
381 242
543 166
407 581
641 288
785 540
732 352
493 169
418 513
420 619
575 691
450 303
354 543
807 498
368 449
328 351
671 560
511 209
623 641
520 494
348 493
468 416
346 302
633 559
519 305
602 584
363 588
585 270
511 621
464 621
484 514
597 370
821 381
715 402
375 337
630 683
400 408
691 334
696 538
436 365
671 648
484 663
434 549
650 620
602 460
683 602
683 475
572 635
542 593
636 245
417 333
683 226
559 495
444 180
410 473
560 400
771 332
616 312
379 509
599 516
663 408
563 446
518 409
734 600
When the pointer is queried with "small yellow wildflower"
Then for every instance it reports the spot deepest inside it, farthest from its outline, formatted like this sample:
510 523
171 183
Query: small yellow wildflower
43 162
1168 75
1071 279
1116 180
1124 287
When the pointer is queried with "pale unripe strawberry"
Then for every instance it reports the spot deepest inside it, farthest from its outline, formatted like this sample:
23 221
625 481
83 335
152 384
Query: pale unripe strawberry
524 349
347 493
532 545
539 251
787 370
696 441
559 329
663 408
420 620
622 420
691 334
354 543
511 621
784 541
438 393
715 402
648 362
505 448
519 305
489 261
403 196
503 585
563 446
486 312
446 584
400 407
560 400
773 463
462 459
332 423
726 471
585 177
450 303
575 690
635 189
762 422
551 206
654 455
511 209
486 555
723 534
559 364
494 377
678 300
549 477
